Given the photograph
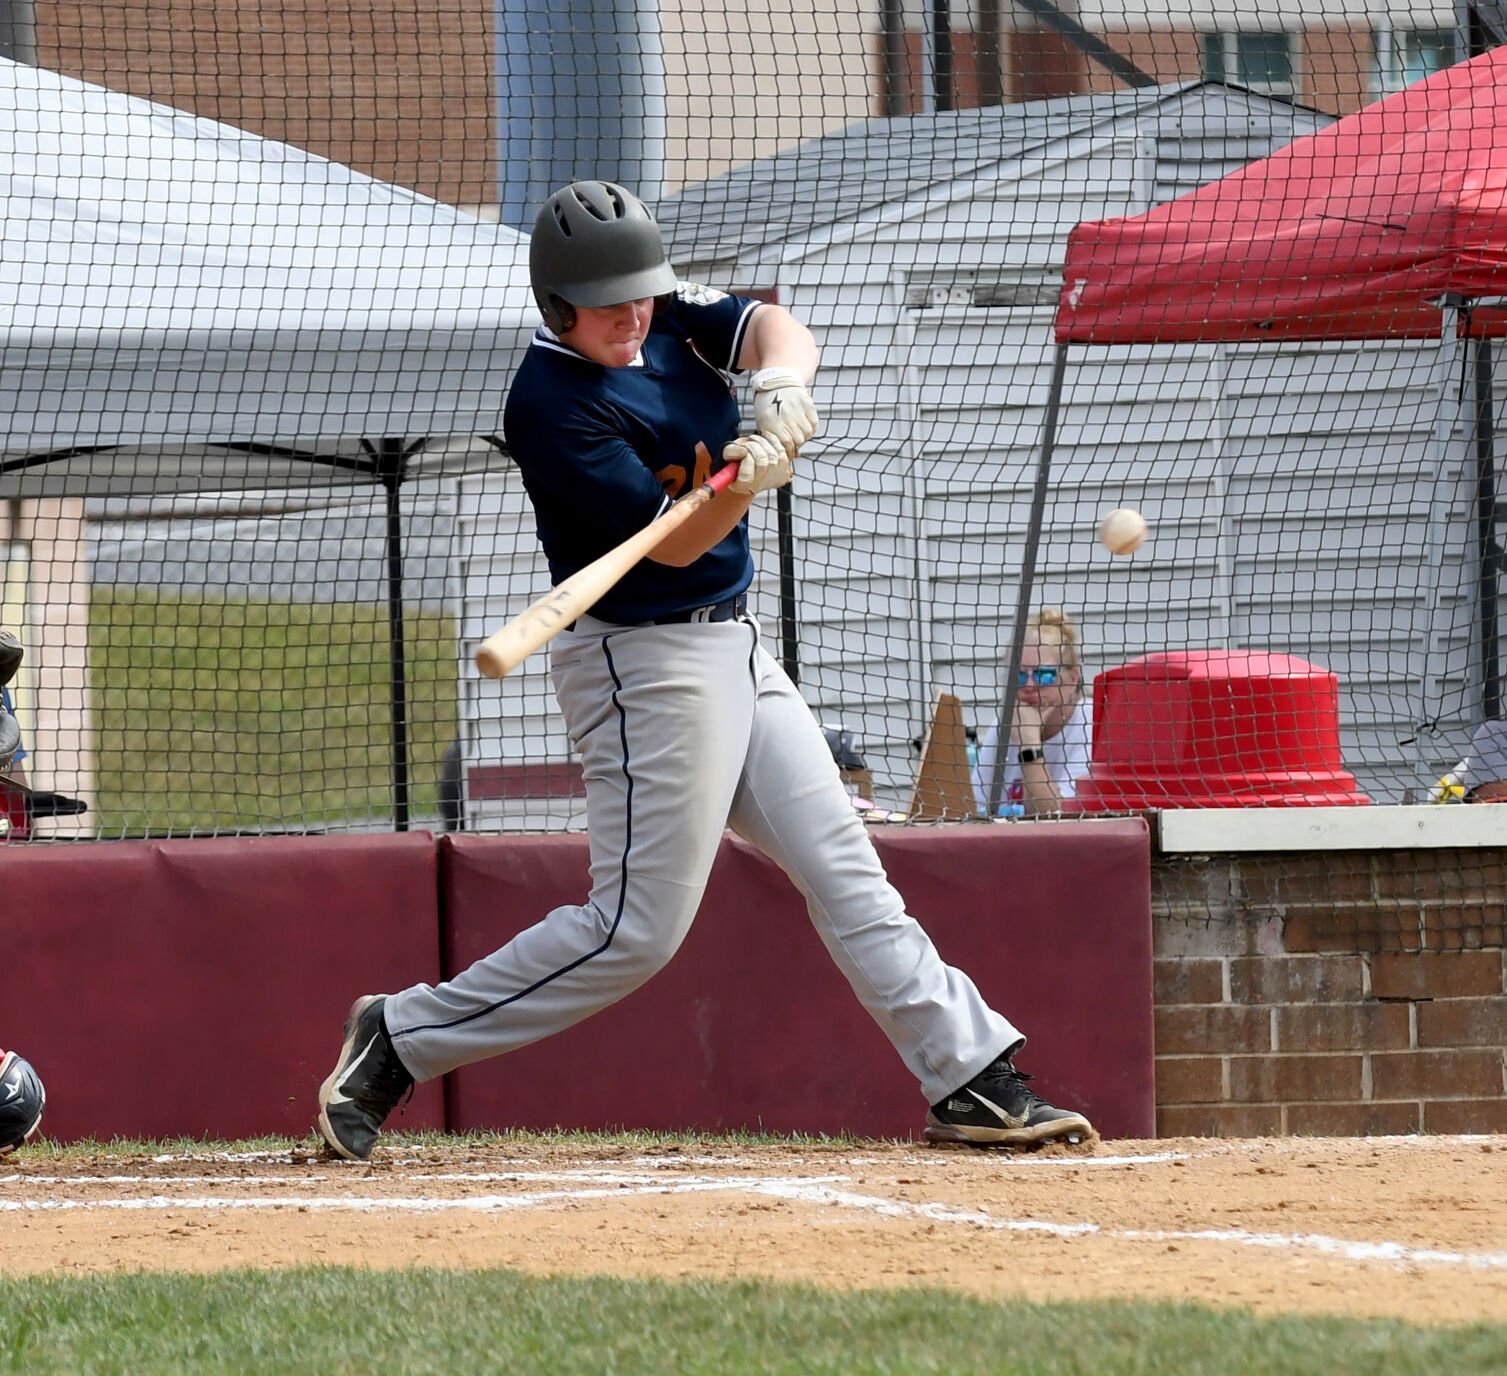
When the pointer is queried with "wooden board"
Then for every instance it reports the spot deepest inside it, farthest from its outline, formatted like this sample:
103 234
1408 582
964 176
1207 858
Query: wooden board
944 786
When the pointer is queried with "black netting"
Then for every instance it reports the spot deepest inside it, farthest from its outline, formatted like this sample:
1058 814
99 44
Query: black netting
265 286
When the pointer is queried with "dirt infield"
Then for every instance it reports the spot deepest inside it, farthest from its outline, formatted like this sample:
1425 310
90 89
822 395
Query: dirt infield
1414 1227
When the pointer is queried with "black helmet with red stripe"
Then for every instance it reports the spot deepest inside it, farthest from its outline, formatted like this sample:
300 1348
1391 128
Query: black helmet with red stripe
22 1100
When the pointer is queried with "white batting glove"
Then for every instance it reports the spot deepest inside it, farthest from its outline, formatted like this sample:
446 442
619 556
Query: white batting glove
762 464
783 407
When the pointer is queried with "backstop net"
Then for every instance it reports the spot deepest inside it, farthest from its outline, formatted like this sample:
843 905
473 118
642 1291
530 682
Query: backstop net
266 287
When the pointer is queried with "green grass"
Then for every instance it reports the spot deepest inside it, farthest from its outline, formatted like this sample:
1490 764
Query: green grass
333 1321
228 714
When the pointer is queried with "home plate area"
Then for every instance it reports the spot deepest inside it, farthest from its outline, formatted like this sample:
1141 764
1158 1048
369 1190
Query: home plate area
1409 1227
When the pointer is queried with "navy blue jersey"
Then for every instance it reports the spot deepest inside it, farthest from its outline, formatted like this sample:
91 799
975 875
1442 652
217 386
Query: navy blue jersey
603 451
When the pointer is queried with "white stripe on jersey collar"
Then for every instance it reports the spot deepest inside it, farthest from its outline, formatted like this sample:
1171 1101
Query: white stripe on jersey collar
545 338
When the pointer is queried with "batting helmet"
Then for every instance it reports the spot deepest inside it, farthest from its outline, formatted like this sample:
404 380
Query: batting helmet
22 1100
595 244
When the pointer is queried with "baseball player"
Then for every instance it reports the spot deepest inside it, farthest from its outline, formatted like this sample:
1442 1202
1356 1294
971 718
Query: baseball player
684 723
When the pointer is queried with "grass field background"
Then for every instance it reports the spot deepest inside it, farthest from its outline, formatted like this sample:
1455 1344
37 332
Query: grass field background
220 715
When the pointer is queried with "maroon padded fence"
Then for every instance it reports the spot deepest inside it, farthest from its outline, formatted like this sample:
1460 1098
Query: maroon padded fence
197 987
752 1026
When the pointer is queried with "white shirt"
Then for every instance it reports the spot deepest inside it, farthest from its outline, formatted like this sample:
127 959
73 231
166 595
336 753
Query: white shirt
1067 757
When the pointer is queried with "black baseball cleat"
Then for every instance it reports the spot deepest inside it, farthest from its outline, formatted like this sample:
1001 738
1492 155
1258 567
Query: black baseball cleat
365 1085
996 1109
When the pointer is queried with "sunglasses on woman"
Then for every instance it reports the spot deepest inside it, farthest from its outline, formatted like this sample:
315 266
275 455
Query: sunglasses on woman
1044 677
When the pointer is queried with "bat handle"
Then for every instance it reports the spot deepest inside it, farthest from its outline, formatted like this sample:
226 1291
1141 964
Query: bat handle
722 478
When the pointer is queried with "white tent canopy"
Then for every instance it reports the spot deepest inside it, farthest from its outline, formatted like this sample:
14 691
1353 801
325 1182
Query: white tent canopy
213 309
186 307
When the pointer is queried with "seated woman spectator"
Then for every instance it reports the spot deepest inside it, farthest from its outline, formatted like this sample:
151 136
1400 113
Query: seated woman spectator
1051 732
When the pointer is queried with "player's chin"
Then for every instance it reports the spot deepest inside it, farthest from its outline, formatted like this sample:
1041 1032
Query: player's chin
622 355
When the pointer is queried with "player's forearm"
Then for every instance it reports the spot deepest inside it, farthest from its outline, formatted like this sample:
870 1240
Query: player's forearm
704 531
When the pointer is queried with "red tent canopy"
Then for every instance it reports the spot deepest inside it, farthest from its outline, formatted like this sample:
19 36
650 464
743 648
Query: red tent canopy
1354 232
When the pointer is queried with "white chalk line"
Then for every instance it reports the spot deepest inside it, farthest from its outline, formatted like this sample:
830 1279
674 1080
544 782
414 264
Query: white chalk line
488 1203
1341 1247
810 1190
618 1178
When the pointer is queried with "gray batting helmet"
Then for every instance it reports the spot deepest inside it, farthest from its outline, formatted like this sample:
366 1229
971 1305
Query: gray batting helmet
595 244
22 1100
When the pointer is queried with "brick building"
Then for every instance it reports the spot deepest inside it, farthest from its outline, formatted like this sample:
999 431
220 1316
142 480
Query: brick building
408 92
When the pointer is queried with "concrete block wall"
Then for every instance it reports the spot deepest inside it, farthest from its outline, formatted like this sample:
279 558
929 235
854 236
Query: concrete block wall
1337 994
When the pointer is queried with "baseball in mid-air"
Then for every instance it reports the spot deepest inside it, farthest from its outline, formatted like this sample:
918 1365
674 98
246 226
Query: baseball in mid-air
1123 531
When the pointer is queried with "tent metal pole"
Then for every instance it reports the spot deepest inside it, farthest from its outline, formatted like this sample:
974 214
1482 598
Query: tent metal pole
392 460
1478 28
1449 425
1027 578
1488 551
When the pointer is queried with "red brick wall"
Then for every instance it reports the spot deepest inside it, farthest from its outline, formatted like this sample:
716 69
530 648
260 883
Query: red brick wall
406 91
1337 994
1333 65
401 90
1334 68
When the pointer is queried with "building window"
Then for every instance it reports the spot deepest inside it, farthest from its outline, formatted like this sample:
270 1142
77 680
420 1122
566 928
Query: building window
1404 56
1422 52
1259 60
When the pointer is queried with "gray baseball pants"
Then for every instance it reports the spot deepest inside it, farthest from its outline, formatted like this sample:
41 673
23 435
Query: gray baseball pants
682 730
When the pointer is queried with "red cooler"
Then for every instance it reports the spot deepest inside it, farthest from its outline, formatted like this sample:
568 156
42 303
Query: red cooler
14 823
1215 728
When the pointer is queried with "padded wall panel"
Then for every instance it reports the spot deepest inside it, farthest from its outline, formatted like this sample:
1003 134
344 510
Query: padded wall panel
751 1025
197 987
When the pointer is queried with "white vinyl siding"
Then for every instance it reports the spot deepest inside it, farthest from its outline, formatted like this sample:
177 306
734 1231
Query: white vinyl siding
1303 499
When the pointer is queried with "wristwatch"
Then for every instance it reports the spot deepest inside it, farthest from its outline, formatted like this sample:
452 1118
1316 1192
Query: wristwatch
1031 754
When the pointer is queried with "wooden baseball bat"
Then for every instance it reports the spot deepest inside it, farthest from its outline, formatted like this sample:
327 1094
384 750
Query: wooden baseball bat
503 651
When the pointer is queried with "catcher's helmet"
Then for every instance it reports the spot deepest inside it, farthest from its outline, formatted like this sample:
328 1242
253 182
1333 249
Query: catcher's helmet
22 1100
595 244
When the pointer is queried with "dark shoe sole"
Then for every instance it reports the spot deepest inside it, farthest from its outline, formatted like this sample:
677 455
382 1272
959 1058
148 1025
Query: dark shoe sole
1073 1130
331 1137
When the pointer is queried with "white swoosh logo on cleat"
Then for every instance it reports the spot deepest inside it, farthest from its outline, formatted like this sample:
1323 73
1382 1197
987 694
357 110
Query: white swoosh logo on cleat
12 1093
336 1097
1009 1119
